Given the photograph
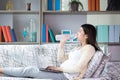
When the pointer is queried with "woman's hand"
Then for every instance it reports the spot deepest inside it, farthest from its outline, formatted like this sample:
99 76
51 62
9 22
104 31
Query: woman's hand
54 68
63 41
76 78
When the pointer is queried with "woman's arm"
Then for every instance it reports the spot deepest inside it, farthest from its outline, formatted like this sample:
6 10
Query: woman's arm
61 56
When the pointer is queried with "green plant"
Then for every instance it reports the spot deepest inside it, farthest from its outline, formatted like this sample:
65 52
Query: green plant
76 2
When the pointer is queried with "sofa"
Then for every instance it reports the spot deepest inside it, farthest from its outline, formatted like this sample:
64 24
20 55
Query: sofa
43 56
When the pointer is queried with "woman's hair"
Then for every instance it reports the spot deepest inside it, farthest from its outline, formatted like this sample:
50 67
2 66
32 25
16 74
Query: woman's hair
90 30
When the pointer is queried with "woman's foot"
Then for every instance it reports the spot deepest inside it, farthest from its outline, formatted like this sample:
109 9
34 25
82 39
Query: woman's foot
1 70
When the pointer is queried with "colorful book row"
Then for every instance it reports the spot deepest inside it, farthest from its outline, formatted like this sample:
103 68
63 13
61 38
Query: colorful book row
7 34
108 33
47 34
52 4
93 5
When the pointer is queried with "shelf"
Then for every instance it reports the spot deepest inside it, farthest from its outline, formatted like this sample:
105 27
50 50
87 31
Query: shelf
82 12
114 43
18 12
109 43
18 43
64 12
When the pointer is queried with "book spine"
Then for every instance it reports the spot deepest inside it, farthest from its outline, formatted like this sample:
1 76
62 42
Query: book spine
47 36
111 33
50 5
8 33
44 5
0 34
52 37
99 33
44 33
5 34
14 39
97 5
117 33
89 5
57 4
105 33
93 5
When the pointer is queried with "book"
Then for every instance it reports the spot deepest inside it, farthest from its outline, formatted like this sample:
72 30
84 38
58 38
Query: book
5 33
44 33
49 5
52 36
97 6
57 4
8 33
93 5
117 33
44 5
14 39
0 34
65 5
89 5
102 33
47 35
111 33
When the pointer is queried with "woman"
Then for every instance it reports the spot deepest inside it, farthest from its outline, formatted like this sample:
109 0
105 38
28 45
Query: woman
74 64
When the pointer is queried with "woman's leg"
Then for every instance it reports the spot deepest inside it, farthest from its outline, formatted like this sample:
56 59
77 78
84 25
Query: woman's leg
20 72
49 75
32 72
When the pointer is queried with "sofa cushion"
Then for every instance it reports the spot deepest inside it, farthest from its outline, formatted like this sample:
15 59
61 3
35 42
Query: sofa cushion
105 59
18 55
112 69
94 63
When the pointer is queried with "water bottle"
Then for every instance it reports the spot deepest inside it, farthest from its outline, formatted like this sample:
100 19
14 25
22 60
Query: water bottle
33 32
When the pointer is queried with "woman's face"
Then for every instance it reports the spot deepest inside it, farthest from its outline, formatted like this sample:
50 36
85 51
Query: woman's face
81 36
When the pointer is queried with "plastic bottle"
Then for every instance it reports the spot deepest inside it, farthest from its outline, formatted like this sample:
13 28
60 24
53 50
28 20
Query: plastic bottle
33 32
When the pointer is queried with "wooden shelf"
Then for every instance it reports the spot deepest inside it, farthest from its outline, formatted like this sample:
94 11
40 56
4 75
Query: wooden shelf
82 12
18 12
109 43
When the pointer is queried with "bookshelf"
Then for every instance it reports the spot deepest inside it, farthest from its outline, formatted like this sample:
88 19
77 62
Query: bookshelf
59 20
19 17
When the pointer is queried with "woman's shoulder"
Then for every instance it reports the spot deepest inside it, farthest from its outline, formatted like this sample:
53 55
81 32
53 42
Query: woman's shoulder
88 46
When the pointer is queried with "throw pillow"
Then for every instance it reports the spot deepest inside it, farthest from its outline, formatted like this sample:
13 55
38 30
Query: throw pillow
94 63
112 69
105 59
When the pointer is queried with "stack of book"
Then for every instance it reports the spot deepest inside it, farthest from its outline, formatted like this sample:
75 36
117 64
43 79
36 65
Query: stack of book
7 34
52 5
47 34
108 33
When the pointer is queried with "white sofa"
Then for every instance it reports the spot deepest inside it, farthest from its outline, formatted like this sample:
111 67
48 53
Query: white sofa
38 55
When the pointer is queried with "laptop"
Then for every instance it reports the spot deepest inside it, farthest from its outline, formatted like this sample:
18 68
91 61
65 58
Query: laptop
47 70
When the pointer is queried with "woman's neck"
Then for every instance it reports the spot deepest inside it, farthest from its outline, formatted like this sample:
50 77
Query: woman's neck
83 44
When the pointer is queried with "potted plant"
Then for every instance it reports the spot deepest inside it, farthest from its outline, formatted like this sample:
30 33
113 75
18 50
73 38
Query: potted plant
75 4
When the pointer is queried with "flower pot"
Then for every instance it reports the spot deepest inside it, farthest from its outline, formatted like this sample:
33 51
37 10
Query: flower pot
74 6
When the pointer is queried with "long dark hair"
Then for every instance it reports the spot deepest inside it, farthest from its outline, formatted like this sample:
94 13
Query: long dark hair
90 30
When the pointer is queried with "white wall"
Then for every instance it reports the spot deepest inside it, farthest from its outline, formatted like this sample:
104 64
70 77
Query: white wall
105 19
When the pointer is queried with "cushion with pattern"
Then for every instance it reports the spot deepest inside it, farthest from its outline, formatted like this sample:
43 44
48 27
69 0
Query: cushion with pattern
93 64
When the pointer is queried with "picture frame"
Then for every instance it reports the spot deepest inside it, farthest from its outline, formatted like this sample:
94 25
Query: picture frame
66 32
